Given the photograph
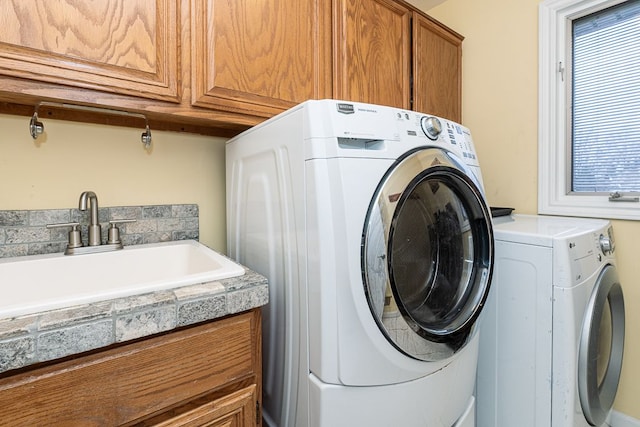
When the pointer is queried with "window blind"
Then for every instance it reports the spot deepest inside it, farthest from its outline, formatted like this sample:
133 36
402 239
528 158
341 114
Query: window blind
605 113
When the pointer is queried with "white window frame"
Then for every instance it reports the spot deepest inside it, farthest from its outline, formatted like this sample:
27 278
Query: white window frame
555 17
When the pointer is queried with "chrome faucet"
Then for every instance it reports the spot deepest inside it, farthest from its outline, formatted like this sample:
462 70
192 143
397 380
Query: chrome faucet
95 230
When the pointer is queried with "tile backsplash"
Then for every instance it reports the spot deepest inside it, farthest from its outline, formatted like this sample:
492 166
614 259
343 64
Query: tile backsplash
25 232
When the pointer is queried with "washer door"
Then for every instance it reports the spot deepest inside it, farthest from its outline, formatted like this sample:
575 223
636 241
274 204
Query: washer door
597 392
427 254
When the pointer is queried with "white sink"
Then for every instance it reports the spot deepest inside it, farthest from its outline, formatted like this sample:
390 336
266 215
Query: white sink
37 283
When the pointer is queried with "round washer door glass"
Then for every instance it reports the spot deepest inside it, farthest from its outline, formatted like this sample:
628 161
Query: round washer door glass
427 254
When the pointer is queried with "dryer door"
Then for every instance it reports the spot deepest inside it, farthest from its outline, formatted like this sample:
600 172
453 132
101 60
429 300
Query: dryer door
427 254
598 381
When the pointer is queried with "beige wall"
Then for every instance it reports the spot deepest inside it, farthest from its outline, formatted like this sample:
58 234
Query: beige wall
499 105
500 102
51 172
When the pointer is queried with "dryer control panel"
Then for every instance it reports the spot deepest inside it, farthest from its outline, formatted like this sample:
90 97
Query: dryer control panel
607 242
588 251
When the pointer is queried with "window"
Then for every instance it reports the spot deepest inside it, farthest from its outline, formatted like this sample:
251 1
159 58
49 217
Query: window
589 108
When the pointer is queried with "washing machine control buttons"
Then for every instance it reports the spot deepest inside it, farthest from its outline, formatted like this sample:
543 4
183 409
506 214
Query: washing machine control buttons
431 127
606 244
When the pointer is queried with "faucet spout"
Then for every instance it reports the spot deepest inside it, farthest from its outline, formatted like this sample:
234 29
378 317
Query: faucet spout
95 230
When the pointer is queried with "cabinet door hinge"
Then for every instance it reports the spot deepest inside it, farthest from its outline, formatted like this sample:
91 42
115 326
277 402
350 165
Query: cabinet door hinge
258 412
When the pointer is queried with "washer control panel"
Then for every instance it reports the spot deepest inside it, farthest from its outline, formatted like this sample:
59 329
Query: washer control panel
438 130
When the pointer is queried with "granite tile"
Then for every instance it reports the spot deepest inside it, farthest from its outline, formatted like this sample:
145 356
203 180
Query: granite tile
17 353
140 324
161 211
129 227
79 216
246 299
170 224
8 251
27 235
200 310
249 279
132 239
13 218
66 317
76 339
125 212
195 291
191 223
179 211
103 215
83 216
143 302
40 218
186 235
142 226
15 326
164 236
46 248
59 234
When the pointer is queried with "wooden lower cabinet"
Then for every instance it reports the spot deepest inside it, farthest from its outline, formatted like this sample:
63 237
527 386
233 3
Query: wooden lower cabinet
232 410
206 375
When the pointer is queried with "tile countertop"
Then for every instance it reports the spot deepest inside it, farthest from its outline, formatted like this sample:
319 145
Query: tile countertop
50 335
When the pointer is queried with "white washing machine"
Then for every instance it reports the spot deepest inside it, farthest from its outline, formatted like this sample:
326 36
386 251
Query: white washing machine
552 334
371 225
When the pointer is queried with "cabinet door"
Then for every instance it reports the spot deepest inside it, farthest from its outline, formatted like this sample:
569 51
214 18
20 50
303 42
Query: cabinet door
235 409
120 46
259 57
153 380
437 72
372 52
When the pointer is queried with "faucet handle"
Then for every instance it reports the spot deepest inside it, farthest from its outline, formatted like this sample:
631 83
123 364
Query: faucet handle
75 239
113 235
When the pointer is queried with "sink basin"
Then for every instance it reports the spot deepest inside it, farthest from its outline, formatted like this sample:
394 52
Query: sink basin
38 283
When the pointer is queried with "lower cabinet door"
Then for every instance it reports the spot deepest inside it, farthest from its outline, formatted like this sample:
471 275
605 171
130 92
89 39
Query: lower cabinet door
233 410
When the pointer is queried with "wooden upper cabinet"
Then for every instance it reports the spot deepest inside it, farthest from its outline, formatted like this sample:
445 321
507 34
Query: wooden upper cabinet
372 42
437 72
260 57
221 66
118 46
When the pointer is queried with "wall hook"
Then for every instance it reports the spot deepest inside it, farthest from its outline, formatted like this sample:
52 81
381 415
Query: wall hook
146 137
36 128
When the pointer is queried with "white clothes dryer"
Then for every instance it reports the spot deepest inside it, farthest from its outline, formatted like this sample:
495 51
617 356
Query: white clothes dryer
371 225
552 334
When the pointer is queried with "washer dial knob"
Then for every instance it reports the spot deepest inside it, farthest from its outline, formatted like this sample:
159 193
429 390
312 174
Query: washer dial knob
606 244
431 127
